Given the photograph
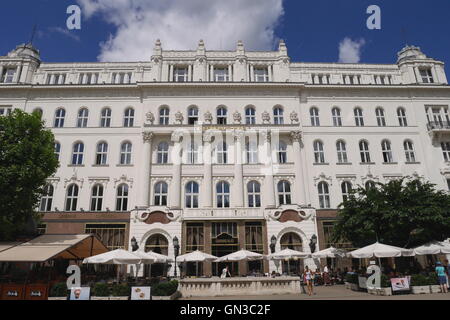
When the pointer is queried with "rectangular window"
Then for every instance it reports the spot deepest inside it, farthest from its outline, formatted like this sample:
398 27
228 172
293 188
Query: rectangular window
221 75
180 74
112 235
5 110
446 150
448 184
427 76
261 74
8 75
195 237
254 237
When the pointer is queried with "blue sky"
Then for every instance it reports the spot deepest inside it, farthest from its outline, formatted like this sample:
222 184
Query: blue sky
312 29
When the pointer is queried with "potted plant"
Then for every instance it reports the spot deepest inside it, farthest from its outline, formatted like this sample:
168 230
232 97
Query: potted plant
100 292
352 280
165 291
58 292
433 281
420 284
386 289
120 292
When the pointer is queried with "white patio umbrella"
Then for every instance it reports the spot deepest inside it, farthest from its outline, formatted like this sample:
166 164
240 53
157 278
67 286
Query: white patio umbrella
380 250
196 256
288 254
151 258
331 252
434 247
241 255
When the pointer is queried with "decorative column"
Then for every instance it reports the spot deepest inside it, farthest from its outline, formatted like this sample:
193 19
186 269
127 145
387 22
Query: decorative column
296 137
1 72
211 74
252 73
171 73
230 72
175 195
268 170
238 170
147 158
190 73
207 173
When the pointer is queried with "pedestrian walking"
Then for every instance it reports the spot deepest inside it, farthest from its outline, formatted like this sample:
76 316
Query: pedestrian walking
440 270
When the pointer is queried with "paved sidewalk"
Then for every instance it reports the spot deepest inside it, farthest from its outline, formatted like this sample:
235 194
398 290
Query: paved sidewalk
333 293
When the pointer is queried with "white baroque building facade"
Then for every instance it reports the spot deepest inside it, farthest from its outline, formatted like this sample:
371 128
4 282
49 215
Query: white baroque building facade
227 150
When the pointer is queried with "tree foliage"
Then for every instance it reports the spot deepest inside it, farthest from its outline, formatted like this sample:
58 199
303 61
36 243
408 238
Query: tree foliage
405 213
27 159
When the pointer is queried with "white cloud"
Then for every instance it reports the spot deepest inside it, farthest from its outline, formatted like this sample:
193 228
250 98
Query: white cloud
350 51
180 24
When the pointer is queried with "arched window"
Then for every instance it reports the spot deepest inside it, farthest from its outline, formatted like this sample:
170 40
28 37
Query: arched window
359 118
324 195
222 153
105 118
60 116
223 194
77 155
126 153
222 115
192 153
314 114
192 115
164 114
122 198
402 120
278 115
282 152
192 194
381 120
163 153
250 115
346 188
101 158
157 243
251 148
47 199
319 154
387 151
254 194
83 116
341 148
128 120
57 150
161 191
72 197
370 185
364 151
291 241
97 198
410 154
337 118
284 193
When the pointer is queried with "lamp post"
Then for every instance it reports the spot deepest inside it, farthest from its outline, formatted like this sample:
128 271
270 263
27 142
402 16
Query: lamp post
312 243
176 246
273 243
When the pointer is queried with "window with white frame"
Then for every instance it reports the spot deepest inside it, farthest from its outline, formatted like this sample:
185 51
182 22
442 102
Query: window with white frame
324 195
346 188
5 111
446 150
60 116
105 118
252 151
402 120
163 153
72 198
83 117
337 118
223 194
250 115
359 118
221 74
254 194
278 115
282 152
161 192
314 114
364 151
126 150
128 120
8 75
284 193
319 154
426 75
341 148
410 154
192 153
381 120
180 74
164 116
261 74
57 150
222 115
97 198
101 157
77 154
192 115
192 192
370 185
387 151
122 198
222 153
47 199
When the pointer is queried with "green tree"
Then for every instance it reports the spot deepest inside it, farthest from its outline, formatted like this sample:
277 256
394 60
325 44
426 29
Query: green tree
405 213
27 159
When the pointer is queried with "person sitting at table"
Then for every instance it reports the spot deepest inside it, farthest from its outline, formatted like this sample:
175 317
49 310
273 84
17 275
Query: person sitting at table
326 276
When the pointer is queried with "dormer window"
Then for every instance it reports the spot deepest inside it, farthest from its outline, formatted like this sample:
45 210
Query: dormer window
180 74
221 75
8 75
261 74
427 76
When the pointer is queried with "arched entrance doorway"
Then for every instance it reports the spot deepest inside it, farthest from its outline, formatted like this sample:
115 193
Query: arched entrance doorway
293 241
158 244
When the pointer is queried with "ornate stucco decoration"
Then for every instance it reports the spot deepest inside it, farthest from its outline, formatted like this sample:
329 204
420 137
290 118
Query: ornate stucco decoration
147 136
150 117
179 117
294 117
237 117
276 214
74 179
171 215
208 117
53 181
123 179
98 180
296 136
323 177
266 117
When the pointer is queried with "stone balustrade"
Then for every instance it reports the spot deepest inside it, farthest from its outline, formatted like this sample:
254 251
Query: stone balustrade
215 287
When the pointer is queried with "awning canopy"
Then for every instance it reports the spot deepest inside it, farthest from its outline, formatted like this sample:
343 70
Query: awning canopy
49 246
8 245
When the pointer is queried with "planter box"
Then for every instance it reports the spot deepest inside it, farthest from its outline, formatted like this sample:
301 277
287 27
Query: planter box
380 291
435 289
420 290
57 298
118 298
100 298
